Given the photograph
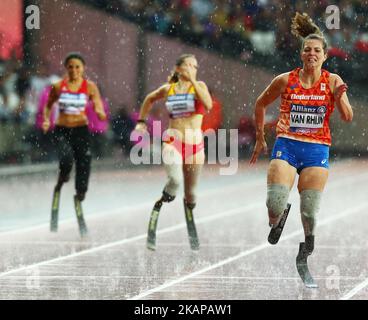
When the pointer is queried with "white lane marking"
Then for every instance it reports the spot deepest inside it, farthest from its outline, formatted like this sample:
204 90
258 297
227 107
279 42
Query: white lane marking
355 290
246 253
72 220
136 238
146 205
166 230
255 181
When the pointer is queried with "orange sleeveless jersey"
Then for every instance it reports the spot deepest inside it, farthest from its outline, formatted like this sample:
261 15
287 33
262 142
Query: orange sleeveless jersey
305 113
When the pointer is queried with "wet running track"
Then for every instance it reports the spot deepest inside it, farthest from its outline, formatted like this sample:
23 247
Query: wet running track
234 262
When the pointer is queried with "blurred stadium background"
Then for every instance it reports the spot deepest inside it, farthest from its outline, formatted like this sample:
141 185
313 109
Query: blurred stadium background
130 47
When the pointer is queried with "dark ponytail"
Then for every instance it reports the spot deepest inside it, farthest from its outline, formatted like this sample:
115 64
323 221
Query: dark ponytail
74 55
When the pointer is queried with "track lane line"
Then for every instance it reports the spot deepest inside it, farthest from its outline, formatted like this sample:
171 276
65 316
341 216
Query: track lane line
245 253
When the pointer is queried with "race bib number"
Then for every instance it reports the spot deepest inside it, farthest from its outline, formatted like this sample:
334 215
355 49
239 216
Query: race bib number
306 118
180 104
72 103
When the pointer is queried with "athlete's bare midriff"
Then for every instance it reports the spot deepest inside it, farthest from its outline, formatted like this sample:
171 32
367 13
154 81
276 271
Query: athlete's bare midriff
189 129
71 121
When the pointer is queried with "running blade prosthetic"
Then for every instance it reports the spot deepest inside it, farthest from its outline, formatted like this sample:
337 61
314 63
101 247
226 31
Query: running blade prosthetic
79 212
302 267
152 226
192 232
55 210
275 232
